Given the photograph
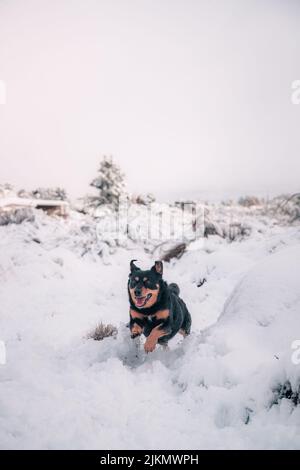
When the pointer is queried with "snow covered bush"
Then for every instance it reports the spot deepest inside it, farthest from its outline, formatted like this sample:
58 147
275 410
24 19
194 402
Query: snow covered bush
16 216
25 194
143 199
249 201
289 206
287 391
58 194
7 190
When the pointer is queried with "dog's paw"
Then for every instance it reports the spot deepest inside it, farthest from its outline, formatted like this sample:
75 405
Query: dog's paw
134 335
135 331
149 345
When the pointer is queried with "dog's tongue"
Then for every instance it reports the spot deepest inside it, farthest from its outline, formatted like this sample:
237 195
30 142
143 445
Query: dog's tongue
140 301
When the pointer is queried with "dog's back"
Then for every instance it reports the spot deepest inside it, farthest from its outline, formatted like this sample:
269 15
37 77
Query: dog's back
181 318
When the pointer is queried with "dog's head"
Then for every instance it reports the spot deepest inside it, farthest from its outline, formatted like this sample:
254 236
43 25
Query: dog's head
144 286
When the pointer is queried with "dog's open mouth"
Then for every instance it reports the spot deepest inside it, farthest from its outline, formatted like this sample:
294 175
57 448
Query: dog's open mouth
141 301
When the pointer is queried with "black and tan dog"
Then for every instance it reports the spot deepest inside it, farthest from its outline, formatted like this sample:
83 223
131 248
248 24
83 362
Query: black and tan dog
156 310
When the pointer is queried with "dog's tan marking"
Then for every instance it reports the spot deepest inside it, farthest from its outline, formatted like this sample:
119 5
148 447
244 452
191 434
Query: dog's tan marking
135 314
136 330
152 339
161 314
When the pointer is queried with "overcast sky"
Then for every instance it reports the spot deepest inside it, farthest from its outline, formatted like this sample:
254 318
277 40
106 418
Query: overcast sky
185 94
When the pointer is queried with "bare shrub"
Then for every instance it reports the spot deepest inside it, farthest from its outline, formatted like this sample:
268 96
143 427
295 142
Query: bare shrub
238 231
233 231
103 331
212 228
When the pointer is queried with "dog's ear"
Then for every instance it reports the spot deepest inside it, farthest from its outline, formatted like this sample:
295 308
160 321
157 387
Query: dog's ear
158 267
133 267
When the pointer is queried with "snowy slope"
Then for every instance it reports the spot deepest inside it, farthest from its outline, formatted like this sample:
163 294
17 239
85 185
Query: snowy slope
212 390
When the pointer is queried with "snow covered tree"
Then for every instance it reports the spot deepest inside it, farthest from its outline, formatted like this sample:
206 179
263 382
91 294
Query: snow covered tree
109 182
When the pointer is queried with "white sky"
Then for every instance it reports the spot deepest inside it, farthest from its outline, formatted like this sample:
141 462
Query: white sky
185 94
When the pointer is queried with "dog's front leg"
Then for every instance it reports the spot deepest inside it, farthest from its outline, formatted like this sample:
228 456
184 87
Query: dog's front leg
158 332
136 325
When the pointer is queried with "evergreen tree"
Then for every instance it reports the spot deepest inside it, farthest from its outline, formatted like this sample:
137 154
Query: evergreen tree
109 182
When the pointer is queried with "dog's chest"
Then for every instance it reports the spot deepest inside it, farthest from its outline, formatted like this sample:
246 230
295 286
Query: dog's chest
152 321
158 317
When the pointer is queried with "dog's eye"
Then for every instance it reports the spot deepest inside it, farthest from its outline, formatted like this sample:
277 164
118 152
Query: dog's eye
133 282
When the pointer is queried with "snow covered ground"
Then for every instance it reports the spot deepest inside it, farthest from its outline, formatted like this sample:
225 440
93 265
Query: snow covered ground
216 389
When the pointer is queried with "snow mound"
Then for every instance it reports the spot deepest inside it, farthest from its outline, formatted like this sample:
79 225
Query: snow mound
261 318
243 364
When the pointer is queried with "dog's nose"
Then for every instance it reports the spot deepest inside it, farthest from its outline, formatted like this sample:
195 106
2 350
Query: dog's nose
138 291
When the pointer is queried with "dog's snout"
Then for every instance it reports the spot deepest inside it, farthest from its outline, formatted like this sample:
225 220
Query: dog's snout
138 291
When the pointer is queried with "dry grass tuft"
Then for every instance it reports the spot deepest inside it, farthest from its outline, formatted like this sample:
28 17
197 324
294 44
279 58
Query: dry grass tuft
103 331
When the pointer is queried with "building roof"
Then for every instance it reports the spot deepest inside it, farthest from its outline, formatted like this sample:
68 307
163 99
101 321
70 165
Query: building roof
26 202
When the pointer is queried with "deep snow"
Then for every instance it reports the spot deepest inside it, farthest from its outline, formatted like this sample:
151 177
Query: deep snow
212 390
